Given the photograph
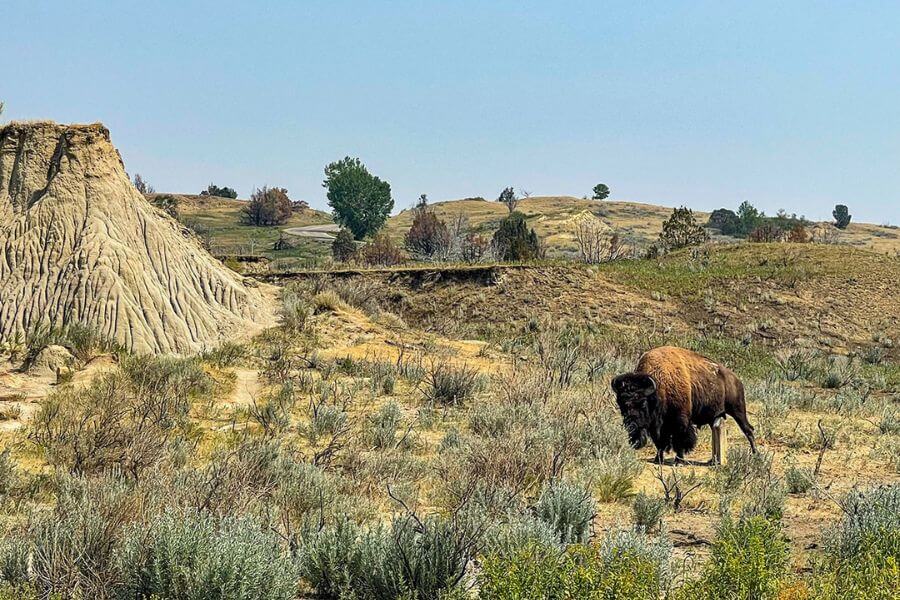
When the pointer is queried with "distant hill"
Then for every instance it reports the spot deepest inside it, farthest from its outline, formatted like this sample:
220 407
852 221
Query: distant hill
555 219
218 222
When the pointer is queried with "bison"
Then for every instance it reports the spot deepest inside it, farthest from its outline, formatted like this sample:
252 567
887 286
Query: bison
671 393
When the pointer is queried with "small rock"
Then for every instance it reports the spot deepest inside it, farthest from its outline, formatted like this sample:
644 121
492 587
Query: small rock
50 359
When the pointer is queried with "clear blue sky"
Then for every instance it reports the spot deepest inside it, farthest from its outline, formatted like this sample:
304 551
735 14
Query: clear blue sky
793 105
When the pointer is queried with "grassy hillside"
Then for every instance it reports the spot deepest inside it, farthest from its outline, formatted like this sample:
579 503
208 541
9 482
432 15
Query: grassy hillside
218 221
819 295
555 218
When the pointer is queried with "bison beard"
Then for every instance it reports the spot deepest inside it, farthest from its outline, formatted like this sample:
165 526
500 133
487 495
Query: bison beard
671 393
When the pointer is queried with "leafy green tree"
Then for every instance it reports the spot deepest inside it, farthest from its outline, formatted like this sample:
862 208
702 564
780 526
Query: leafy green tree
267 207
509 198
750 217
726 221
343 248
842 216
682 230
514 241
360 201
601 191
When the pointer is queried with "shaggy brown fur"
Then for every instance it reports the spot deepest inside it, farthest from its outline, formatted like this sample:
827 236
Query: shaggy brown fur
672 392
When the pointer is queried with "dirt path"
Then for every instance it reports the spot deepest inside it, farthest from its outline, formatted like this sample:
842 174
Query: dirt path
247 387
316 232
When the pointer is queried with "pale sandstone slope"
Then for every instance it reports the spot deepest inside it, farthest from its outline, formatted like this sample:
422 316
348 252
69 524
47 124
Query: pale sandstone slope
79 244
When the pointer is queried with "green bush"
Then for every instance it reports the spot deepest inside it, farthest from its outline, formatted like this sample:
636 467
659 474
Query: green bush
23 592
8 473
625 565
497 418
296 309
83 341
451 440
185 555
519 531
514 241
411 558
221 192
799 480
749 560
167 203
384 425
451 385
226 355
741 466
614 475
343 248
568 508
862 554
72 547
14 552
324 420
681 230
331 560
647 512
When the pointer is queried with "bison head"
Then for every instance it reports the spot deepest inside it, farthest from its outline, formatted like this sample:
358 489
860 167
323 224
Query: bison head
636 395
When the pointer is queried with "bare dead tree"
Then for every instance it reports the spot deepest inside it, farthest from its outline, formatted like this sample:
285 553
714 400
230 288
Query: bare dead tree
673 489
597 243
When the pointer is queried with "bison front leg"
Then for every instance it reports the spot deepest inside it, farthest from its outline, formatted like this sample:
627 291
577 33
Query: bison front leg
660 456
684 437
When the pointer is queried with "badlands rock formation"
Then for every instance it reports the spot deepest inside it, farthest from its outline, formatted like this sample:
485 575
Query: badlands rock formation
79 244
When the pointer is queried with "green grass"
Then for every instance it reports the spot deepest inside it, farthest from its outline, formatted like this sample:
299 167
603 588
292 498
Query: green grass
686 274
220 225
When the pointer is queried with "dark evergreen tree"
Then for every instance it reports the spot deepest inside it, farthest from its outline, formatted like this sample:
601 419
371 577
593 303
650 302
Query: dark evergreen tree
841 216
221 192
601 191
343 248
514 241
725 221
509 198
682 230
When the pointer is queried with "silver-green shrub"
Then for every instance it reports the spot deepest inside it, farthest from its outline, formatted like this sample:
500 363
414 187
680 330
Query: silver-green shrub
568 508
184 555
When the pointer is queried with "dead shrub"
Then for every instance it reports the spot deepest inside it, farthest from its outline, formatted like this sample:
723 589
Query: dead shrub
381 252
124 419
